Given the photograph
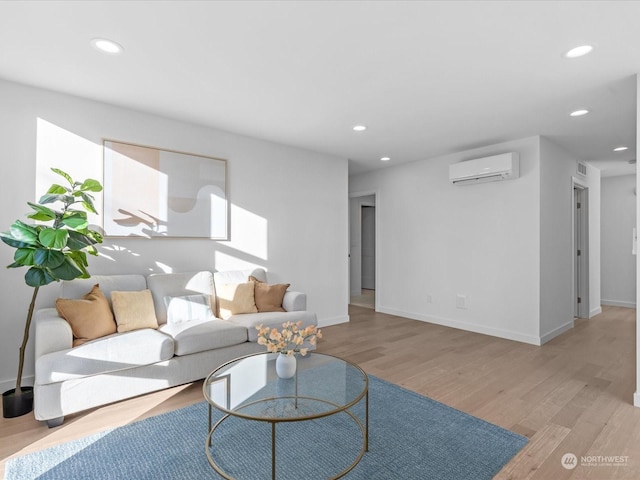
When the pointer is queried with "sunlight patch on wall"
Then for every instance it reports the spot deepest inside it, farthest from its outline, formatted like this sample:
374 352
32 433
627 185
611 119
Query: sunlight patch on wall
60 148
164 267
248 233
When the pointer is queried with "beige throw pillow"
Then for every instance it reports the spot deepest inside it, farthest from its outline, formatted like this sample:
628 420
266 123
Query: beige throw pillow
269 297
90 317
235 298
133 310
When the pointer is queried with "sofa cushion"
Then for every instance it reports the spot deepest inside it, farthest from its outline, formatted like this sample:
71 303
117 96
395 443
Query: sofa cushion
234 298
200 335
269 297
239 276
271 319
112 353
90 317
176 285
108 283
133 310
188 308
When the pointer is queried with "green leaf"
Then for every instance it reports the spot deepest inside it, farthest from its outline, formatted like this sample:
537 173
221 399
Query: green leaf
57 189
24 256
96 236
24 233
48 258
52 198
63 174
77 221
80 259
37 277
88 202
42 213
12 242
91 185
52 238
66 271
78 241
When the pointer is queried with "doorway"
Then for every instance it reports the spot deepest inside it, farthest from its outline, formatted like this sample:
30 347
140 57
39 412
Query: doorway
580 251
362 253
368 241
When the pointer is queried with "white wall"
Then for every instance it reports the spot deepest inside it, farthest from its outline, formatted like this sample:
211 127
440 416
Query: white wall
557 168
506 246
289 209
437 239
618 218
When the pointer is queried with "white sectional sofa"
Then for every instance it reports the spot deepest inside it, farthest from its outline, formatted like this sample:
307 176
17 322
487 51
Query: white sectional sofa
122 365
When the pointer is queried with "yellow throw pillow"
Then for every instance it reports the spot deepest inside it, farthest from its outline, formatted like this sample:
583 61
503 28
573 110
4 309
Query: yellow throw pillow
134 310
269 297
90 317
235 298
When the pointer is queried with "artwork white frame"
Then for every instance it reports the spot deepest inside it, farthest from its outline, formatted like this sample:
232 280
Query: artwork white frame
152 192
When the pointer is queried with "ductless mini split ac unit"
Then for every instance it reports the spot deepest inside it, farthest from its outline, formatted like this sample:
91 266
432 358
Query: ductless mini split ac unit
505 166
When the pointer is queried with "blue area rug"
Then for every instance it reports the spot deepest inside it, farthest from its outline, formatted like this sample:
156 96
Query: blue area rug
410 437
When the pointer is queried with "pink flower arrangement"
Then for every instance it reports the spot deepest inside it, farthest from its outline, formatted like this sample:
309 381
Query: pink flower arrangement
289 339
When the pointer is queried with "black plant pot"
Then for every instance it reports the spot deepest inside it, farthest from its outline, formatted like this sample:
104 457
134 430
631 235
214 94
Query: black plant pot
16 404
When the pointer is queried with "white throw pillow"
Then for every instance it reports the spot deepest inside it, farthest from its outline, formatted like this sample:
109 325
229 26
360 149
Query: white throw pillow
187 308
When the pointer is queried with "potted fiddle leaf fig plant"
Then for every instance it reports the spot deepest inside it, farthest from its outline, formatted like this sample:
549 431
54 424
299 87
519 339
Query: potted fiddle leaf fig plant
53 249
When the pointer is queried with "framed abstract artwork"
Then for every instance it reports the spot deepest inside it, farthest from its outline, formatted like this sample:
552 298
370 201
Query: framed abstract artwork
151 192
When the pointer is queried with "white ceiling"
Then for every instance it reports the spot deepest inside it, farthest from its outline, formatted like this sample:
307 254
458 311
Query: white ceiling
427 78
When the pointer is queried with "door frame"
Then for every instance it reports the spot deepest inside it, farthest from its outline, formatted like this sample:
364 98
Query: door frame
358 220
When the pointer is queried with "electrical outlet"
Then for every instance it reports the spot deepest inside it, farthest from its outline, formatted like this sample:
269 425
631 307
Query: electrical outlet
461 301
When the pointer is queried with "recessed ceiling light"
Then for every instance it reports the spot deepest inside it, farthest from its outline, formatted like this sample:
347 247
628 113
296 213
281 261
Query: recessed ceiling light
106 46
579 51
579 113
359 128
620 149
385 159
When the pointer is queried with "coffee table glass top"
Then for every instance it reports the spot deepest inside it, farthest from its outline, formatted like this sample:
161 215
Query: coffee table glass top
249 387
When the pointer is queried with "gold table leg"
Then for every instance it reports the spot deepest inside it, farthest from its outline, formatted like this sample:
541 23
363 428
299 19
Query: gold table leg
273 450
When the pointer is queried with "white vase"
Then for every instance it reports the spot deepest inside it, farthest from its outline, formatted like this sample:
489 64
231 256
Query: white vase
285 365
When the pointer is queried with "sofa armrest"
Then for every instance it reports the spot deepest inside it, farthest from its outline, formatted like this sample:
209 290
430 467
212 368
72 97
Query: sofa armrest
294 301
53 333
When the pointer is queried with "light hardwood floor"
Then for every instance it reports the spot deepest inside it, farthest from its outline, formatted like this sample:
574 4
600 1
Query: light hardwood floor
572 395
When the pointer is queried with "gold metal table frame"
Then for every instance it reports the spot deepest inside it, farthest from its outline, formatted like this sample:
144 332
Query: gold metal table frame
333 408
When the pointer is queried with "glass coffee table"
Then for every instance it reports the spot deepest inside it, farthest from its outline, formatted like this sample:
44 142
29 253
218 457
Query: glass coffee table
249 389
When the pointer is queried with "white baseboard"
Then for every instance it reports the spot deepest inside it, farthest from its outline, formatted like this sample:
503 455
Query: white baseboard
327 322
595 311
27 381
470 327
636 399
617 303
556 331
